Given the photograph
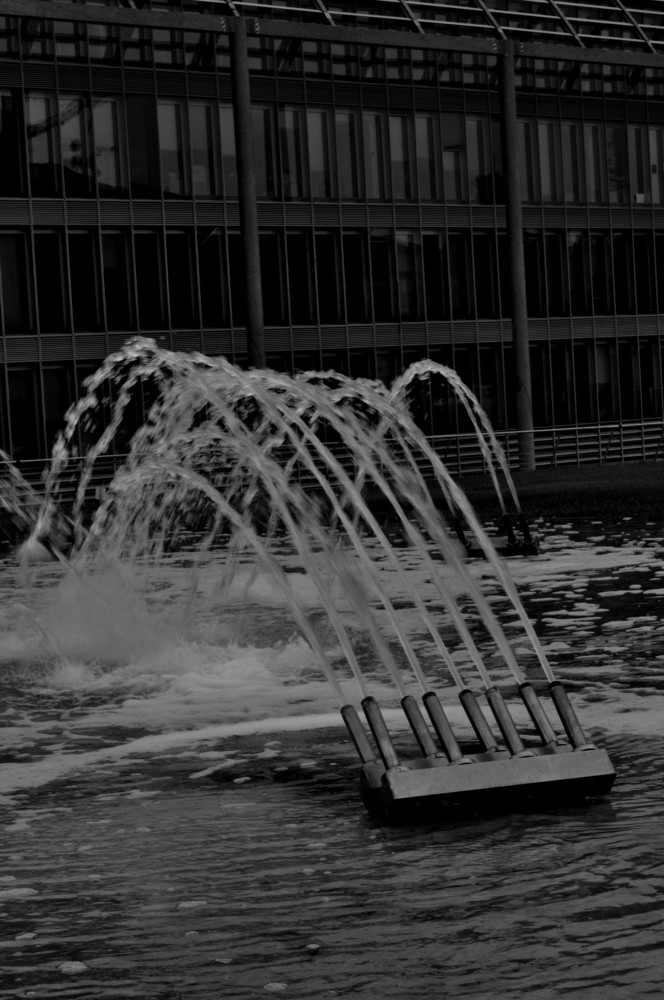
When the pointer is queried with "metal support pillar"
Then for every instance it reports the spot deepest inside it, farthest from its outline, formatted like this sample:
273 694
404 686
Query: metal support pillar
517 266
247 194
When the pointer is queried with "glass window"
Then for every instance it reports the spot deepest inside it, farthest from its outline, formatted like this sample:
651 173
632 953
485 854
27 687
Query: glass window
109 160
76 146
321 176
228 155
43 144
11 174
556 274
84 279
236 278
409 276
143 143
535 280
572 157
601 273
651 378
291 135
300 278
578 255
530 178
213 277
272 278
182 298
616 156
402 156
376 174
347 154
455 175
478 147
550 164
383 275
638 156
487 299
118 298
461 270
14 301
264 166
656 151
356 279
202 139
644 270
595 156
136 45
436 280
427 151
329 280
70 41
103 43
50 272
150 284
58 382
174 166
623 271
563 383
167 47
24 414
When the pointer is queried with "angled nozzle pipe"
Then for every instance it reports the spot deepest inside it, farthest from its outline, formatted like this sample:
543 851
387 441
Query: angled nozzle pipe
536 712
357 734
477 720
379 731
501 714
418 725
567 715
442 727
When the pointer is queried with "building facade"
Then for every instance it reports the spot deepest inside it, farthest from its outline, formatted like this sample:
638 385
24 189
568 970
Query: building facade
371 170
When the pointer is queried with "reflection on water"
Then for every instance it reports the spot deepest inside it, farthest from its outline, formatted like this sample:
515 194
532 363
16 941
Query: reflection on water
225 862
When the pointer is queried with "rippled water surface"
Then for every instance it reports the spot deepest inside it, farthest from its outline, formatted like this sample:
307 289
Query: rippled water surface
162 836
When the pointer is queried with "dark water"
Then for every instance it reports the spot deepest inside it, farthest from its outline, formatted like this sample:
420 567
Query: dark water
267 875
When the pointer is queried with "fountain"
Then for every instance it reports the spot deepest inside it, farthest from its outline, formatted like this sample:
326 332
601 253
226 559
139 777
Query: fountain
255 464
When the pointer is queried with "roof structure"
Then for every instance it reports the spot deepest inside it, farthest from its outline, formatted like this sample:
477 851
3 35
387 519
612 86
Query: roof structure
636 26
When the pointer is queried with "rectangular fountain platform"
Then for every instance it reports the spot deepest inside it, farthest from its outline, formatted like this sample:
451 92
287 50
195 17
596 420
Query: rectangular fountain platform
488 780
561 768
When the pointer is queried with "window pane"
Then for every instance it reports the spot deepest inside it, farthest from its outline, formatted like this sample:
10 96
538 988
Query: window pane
578 252
75 146
117 287
52 297
215 307
639 164
109 147
375 155
143 145
266 182
43 145
486 275
656 150
530 187
461 270
347 154
549 161
228 157
321 178
174 173
479 160
572 156
202 150
454 158
13 284
292 159
409 276
427 147
84 281
11 174
356 277
300 278
24 408
383 275
401 153
436 282
272 278
616 155
329 281
181 298
149 270
595 150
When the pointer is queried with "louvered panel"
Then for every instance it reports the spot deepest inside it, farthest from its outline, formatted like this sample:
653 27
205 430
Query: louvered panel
59 348
624 326
353 215
554 216
526 104
139 81
482 216
319 92
387 335
374 96
360 336
94 345
648 326
225 88
270 214
187 340
106 80
14 212
477 101
326 215
174 84
433 216
202 85
209 213
148 213
297 213
582 327
262 89
425 98
440 333
614 111
82 213
48 213
381 215
451 100
114 213
458 215
346 93
599 217
218 342
277 339
464 332
306 338
571 107
622 217
400 97
413 334
333 338
559 328
577 217
10 74
21 349
290 90
547 105
492 332
74 78
406 215
232 213
179 213
39 75
117 340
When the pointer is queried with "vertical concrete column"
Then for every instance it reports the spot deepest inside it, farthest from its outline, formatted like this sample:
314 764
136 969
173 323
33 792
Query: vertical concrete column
511 172
247 193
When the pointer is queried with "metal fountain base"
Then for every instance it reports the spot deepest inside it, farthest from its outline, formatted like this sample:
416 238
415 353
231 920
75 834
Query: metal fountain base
562 769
